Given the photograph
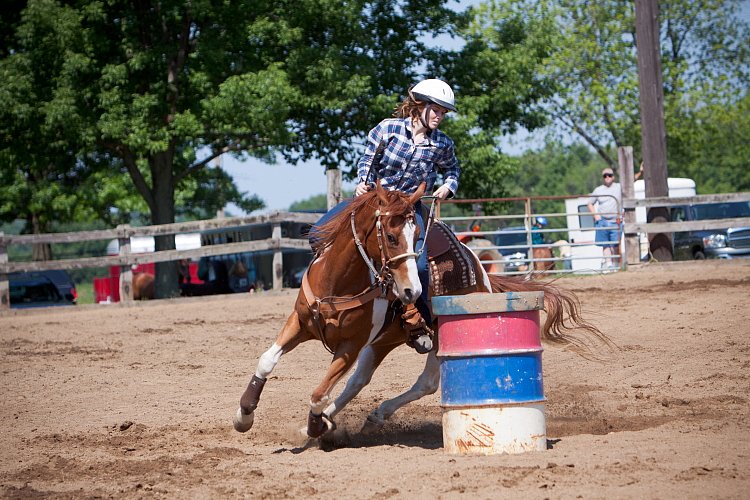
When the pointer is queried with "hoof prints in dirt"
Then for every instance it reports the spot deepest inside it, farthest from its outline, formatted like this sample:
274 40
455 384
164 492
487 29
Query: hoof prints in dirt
129 457
24 348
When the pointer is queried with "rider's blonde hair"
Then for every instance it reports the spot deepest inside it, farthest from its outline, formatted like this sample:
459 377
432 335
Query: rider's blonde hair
409 108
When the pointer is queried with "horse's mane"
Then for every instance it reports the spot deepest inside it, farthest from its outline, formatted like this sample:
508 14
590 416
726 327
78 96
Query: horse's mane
397 204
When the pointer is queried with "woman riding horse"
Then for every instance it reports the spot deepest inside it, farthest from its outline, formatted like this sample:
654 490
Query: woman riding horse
401 153
365 269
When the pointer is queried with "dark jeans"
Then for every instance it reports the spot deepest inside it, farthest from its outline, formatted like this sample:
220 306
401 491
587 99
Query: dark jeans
422 266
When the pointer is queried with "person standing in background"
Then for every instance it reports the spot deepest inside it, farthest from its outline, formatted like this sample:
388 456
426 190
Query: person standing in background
605 204
537 238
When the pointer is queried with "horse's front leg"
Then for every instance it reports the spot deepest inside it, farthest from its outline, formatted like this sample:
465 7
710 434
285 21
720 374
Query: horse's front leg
289 338
427 383
344 358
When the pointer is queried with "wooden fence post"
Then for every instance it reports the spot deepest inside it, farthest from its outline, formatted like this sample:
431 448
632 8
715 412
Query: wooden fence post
4 283
278 259
333 178
126 272
632 250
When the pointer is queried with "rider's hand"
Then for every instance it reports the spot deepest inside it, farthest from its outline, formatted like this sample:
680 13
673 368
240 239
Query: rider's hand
361 189
442 193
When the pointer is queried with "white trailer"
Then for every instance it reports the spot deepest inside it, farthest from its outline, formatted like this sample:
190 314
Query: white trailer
143 244
585 255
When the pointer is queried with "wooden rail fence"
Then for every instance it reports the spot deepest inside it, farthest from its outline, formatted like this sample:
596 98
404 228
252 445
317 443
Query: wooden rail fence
632 229
126 259
277 243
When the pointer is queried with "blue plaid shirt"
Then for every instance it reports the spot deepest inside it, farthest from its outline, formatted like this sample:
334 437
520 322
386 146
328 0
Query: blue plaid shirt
405 165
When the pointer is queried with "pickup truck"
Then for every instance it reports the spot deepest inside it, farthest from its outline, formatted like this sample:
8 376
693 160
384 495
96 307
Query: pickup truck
712 243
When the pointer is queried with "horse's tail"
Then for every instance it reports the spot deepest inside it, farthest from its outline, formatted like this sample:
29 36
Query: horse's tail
564 322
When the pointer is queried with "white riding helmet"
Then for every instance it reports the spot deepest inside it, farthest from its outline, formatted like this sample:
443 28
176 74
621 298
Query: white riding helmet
435 91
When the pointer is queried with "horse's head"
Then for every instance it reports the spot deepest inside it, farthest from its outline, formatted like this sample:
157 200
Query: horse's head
395 239
385 231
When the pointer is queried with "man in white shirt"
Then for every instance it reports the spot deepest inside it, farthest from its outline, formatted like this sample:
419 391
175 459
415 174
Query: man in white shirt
605 204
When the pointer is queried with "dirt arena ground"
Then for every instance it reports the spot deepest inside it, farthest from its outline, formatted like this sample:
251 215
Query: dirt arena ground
137 402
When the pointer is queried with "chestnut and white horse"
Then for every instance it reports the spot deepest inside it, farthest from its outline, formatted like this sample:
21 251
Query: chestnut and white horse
351 297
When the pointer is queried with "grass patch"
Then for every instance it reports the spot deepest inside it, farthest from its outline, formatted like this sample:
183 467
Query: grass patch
85 291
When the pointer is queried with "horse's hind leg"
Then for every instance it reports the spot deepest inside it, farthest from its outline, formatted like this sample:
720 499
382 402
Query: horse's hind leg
427 383
367 362
289 338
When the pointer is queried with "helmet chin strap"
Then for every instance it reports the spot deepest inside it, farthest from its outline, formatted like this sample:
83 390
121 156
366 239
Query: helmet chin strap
422 115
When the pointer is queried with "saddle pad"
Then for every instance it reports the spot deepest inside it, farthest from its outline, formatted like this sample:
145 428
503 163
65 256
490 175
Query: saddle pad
450 263
438 239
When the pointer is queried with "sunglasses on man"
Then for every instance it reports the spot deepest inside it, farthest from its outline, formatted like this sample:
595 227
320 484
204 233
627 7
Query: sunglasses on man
608 175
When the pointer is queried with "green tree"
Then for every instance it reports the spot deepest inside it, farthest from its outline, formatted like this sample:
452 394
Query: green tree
705 66
498 75
39 139
158 89
711 146
317 203
556 169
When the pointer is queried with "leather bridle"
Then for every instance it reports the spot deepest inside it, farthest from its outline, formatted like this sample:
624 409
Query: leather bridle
384 277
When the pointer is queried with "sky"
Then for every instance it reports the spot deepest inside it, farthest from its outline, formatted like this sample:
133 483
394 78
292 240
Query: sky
282 184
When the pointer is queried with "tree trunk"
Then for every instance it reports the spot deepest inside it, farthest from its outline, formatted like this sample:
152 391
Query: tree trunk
166 283
653 132
39 251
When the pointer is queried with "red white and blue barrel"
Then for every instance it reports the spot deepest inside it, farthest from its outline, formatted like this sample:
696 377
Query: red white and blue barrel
492 392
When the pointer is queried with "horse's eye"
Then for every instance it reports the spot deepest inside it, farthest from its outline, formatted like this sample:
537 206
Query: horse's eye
391 239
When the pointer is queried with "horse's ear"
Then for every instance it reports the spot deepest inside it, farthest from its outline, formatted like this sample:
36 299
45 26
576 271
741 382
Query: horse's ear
418 193
381 192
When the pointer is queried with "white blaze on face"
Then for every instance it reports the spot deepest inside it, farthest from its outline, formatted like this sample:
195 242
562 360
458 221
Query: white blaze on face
410 229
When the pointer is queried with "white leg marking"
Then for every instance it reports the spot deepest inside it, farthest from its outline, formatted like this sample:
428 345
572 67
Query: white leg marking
317 408
427 383
268 361
359 379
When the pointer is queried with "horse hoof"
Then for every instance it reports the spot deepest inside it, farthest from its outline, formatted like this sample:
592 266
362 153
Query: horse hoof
242 422
317 425
372 425
330 427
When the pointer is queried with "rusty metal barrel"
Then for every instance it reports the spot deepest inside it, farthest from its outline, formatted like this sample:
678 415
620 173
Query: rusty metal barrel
492 392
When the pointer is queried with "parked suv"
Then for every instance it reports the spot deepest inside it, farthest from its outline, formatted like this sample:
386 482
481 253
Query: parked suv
712 243
42 288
